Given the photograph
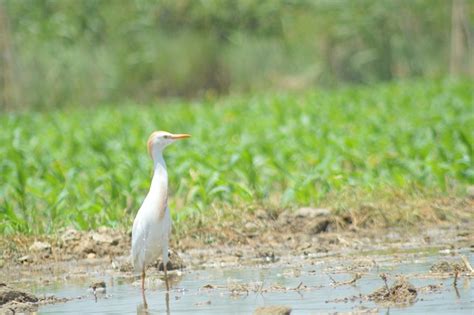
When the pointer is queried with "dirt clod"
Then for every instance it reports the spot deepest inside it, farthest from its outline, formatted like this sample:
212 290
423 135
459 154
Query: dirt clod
174 262
319 226
307 220
8 294
69 235
40 247
104 238
103 242
273 310
470 191
400 293
15 301
261 214
98 286
312 212
25 259
447 267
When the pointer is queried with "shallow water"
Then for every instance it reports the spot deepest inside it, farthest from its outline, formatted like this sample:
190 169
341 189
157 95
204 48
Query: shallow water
188 295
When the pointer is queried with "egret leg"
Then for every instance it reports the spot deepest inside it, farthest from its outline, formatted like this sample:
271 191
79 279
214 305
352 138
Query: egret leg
145 305
165 268
143 280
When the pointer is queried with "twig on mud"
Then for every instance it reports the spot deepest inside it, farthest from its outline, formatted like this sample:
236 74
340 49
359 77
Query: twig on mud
456 275
335 283
299 286
467 264
457 271
384 278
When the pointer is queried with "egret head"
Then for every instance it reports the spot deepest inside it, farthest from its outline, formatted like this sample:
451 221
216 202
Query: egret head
158 140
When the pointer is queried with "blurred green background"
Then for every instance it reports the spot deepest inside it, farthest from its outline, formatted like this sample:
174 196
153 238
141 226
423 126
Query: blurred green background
334 103
89 52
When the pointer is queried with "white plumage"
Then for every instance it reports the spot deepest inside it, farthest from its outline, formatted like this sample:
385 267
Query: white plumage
150 239
152 224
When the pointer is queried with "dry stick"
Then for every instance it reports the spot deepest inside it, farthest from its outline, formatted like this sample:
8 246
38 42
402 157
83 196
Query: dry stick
335 283
467 264
297 289
384 278
299 286
455 282
456 275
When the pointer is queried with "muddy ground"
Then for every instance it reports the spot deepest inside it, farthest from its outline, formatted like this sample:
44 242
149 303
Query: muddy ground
262 238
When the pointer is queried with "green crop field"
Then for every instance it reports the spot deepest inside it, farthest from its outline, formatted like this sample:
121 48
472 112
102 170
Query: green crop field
88 167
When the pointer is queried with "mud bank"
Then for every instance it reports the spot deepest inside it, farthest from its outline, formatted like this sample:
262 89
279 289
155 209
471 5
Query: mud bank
259 235
307 237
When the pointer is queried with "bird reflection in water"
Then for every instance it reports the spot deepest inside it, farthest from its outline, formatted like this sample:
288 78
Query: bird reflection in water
142 308
174 279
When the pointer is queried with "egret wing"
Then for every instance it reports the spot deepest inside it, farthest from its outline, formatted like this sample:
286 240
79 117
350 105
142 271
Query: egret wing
139 241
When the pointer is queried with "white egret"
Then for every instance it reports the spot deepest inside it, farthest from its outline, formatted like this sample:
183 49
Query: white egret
152 225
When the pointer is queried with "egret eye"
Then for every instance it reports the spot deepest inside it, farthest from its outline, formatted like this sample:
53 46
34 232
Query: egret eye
166 136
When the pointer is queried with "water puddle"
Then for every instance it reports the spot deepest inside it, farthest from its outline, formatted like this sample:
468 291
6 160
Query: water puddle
308 286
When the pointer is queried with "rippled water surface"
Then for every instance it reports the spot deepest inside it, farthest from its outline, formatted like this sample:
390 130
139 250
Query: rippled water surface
306 288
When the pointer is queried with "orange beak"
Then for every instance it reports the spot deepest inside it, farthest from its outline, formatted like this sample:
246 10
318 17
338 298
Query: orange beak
180 136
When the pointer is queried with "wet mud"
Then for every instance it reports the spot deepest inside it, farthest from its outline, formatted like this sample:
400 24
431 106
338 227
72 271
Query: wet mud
301 246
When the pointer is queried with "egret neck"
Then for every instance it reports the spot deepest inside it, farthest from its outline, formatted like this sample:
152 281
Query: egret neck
159 185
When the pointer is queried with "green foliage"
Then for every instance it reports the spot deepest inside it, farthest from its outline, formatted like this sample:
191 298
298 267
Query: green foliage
89 167
89 52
